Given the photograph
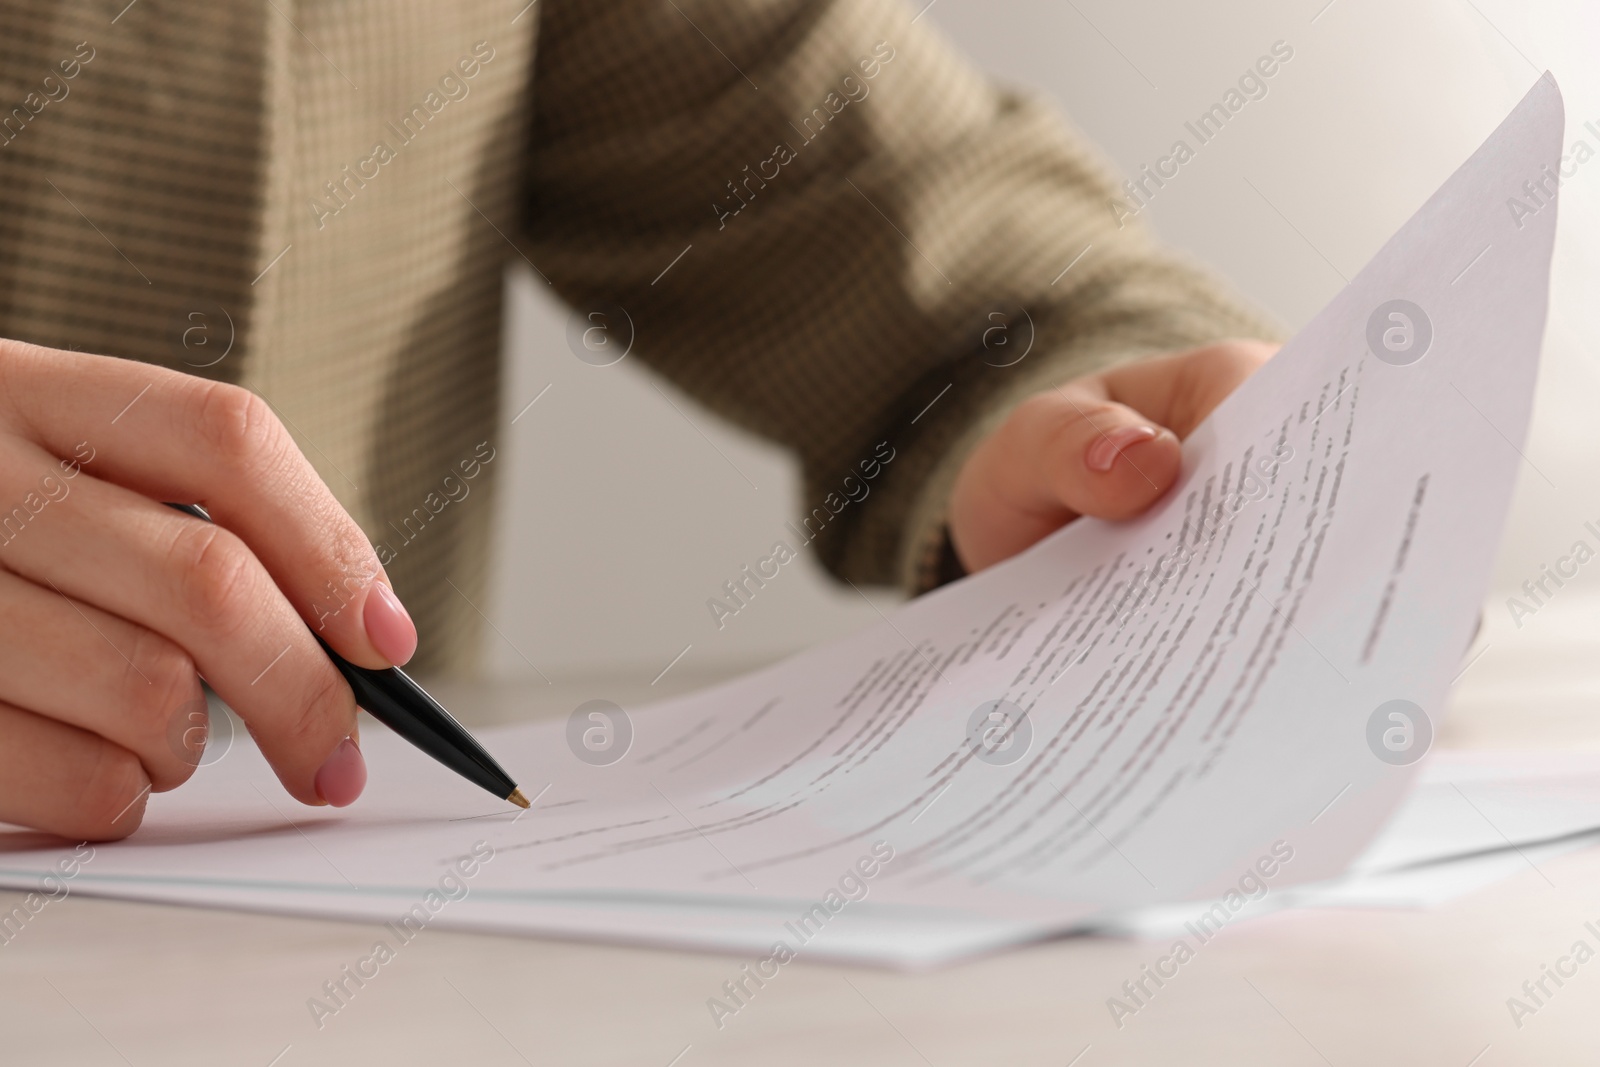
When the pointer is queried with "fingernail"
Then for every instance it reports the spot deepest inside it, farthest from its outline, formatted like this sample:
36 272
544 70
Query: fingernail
1105 449
343 776
389 628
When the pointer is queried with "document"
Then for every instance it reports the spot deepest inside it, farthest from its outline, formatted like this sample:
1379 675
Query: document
1242 680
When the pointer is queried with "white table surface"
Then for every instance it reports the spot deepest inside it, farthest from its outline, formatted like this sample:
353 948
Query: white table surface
105 982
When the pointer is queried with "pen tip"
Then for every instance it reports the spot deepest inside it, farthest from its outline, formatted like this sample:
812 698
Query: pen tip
518 799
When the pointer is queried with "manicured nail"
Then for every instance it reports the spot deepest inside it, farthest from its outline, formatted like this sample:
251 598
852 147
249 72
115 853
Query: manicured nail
343 776
1105 449
389 628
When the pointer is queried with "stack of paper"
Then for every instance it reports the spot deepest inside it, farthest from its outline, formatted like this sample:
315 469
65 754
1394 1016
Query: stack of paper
1230 690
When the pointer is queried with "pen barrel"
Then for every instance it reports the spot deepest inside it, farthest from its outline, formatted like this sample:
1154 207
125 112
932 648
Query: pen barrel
402 705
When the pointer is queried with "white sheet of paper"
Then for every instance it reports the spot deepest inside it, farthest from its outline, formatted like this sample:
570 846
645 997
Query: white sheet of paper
1538 798
1197 683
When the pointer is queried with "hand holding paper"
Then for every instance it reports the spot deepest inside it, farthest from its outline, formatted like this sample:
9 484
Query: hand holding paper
1105 445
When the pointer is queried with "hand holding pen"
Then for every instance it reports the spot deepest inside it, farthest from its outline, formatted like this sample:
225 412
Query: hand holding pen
114 606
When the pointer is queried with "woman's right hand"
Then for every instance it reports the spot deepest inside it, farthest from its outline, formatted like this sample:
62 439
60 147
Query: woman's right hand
113 606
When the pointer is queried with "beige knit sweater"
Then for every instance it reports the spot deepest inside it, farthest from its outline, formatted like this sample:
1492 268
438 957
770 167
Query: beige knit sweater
818 219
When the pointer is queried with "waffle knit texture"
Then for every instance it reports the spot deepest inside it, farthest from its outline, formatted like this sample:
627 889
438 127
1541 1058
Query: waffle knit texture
811 211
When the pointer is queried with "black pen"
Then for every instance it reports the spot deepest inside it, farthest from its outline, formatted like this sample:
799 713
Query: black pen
391 697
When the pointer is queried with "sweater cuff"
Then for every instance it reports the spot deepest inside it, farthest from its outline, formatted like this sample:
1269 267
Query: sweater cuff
942 566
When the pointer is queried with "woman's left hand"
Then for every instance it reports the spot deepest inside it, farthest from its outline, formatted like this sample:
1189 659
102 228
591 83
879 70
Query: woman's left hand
1104 445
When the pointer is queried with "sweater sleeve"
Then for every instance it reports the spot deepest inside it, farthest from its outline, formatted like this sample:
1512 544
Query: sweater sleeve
826 226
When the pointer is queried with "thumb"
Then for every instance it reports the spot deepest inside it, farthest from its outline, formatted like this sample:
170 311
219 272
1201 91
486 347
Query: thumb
1061 454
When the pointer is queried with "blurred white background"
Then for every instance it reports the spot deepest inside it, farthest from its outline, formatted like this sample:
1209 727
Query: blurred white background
620 519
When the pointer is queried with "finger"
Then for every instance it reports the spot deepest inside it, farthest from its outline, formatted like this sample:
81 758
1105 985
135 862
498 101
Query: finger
74 663
172 437
201 587
1067 452
1180 390
1080 453
67 781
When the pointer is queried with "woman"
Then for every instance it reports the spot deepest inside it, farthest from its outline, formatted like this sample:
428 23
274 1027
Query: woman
290 221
